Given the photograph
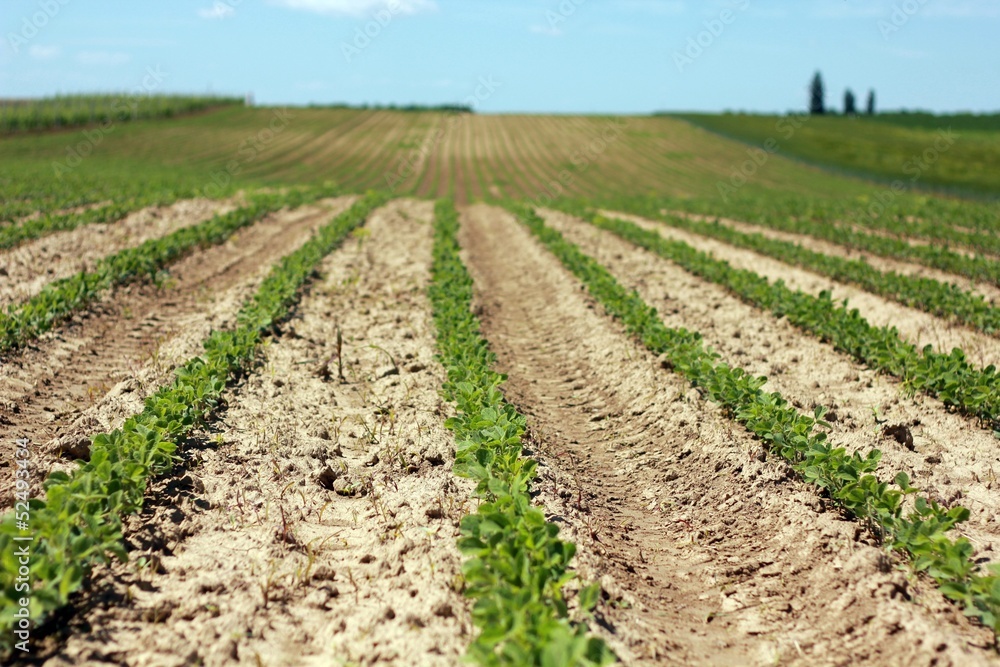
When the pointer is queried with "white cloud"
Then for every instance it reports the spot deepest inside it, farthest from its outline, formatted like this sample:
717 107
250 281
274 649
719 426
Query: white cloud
551 31
100 58
44 52
219 10
359 8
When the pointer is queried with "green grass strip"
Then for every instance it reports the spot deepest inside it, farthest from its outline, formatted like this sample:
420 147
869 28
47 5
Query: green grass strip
926 294
79 521
517 567
948 377
849 479
24 322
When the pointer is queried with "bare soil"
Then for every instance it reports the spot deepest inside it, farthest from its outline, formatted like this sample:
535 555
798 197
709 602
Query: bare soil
126 346
316 524
25 270
950 457
709 551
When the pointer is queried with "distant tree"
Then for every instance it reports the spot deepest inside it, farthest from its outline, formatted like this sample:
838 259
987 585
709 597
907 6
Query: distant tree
816 94
870 106
849 107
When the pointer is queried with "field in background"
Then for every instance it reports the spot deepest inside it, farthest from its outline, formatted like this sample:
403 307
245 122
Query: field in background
959 153
63 111
423 153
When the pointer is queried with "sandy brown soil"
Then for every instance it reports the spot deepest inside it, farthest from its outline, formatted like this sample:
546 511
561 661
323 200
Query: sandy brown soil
989 291
953 459
709 552
25 270
316 525
127 346
914 325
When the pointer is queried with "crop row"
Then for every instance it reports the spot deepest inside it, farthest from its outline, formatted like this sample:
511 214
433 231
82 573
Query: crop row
517 567
15 234
937 256
905 214
849 479
987 242
59 299
948 377
29 189
78 522
926 294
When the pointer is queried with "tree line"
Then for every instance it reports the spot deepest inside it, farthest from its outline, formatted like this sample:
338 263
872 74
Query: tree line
817 99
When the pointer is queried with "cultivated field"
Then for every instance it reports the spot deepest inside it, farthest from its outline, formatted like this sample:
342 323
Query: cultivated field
407 388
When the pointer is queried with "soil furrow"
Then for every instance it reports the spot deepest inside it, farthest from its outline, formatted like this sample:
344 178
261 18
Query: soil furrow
708 551
320 526
914 325
46 392
25 270
949 457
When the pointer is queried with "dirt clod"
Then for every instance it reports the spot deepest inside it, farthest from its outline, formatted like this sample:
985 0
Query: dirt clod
901 434
326 477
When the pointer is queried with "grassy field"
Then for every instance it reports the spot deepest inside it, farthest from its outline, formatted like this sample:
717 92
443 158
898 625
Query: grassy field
491 158
962 122
424 153
959 154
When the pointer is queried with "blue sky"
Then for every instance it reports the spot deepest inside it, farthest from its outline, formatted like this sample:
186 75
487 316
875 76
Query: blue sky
513 55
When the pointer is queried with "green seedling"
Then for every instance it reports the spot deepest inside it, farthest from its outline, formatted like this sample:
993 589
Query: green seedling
516 567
